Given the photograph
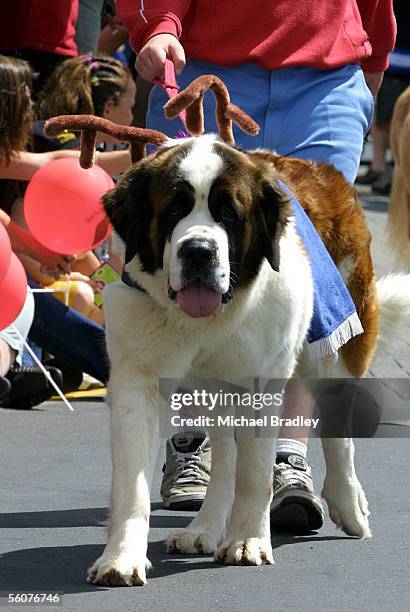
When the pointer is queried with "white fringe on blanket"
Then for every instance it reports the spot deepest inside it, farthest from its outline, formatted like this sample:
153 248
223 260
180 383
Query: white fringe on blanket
350 328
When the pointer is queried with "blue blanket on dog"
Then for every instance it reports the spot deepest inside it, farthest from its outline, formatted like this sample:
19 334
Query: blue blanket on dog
335 320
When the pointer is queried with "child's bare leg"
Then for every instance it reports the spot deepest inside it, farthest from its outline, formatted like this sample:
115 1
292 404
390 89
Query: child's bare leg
7 357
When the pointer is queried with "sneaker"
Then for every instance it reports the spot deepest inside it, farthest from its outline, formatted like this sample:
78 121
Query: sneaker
29 387
369 177
295 507
90 383
187 470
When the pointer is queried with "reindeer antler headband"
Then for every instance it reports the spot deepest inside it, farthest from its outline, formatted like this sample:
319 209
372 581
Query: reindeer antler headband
190 99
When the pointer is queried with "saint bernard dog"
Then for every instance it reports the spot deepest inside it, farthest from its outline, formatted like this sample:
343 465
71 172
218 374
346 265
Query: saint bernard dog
221 288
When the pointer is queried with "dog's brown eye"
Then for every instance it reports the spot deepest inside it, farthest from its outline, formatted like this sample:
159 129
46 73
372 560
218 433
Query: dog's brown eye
179 208
180 205
228 216
223 208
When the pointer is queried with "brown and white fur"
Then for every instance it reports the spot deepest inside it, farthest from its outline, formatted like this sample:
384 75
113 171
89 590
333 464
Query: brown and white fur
209 195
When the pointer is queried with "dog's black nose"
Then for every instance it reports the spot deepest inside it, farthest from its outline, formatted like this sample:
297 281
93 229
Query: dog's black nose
197 251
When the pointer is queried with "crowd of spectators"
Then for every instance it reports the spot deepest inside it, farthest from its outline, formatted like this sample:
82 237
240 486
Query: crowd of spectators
57 58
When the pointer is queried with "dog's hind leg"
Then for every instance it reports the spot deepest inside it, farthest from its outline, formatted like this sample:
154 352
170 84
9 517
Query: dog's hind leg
135 442
208 528
342 490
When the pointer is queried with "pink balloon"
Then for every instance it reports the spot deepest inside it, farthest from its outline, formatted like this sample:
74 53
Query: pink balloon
13 292
5 252
63 208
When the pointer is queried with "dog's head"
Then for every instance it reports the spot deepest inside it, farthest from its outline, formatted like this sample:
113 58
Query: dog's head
200 215
205 213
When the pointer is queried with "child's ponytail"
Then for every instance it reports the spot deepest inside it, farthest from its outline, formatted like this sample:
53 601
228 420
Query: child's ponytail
82 85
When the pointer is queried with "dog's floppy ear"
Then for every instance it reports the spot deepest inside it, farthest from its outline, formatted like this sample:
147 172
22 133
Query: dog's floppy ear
129 210
274 206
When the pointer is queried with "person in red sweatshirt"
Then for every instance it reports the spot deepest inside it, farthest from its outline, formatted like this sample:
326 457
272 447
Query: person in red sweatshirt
307 72
41 32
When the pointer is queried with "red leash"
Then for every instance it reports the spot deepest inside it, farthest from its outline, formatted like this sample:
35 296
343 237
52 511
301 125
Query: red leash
170 85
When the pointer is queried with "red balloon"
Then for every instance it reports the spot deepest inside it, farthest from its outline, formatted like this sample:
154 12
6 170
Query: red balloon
13 292
5 252
63 209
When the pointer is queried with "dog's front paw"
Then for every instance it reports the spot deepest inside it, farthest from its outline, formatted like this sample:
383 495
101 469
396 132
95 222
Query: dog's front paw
121 570
249 551
348 508
193 541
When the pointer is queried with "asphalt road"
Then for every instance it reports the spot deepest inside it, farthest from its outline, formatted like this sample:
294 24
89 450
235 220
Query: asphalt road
55 486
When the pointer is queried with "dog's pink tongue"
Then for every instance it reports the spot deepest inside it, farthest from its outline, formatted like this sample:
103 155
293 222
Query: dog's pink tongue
198 300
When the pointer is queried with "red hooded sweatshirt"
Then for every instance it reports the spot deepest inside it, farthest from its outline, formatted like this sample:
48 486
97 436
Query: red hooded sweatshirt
317 33
44 25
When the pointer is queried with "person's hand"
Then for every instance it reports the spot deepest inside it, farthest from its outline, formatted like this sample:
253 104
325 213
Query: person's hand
150 61
54 271
24 242
374 81
52 264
